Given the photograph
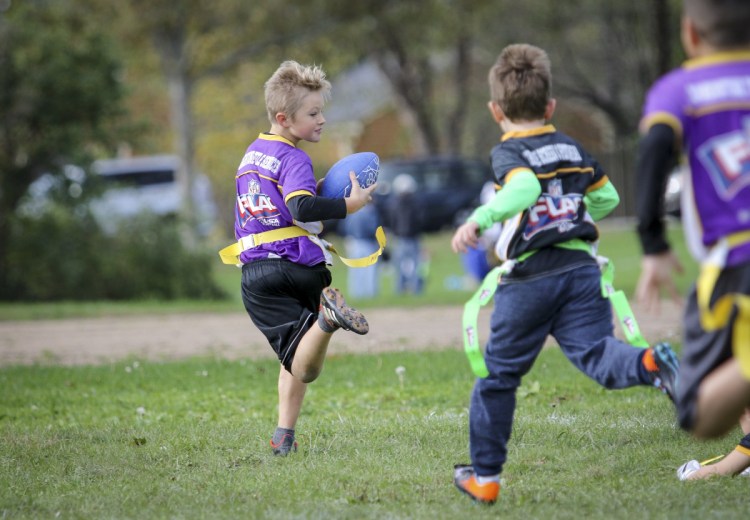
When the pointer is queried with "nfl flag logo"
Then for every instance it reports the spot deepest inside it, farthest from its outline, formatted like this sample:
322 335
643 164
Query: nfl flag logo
555 188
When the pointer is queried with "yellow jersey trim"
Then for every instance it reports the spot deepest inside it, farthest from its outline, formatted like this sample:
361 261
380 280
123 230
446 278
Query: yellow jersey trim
515 134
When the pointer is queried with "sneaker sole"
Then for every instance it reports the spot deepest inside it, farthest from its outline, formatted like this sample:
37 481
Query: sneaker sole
473 496
666 356
350 318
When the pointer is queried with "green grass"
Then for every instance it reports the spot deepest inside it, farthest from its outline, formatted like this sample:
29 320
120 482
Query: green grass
618 242
190 440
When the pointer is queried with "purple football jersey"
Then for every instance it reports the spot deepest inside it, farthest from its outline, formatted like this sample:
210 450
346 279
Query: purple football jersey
272 171
707 103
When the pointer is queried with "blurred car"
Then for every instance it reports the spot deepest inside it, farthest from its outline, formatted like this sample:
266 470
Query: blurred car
447 188
149 183
125 187
673 193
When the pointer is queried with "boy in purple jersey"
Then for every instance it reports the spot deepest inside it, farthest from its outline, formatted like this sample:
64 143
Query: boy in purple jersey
702 111
285 279
551 192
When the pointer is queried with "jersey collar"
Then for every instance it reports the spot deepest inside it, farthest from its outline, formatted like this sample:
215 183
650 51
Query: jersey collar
515 134
273 137
719 57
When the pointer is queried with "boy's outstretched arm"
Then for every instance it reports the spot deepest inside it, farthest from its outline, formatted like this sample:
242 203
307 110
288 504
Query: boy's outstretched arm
657 155
520 192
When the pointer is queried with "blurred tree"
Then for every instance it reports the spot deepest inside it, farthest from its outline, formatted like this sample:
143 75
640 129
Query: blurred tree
435 53
201 39
59 96
605 54
427 49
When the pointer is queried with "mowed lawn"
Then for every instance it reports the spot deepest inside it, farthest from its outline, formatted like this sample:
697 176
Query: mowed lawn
189 439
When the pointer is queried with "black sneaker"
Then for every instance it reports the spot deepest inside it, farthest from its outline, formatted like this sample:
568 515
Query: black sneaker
666 375
286 445
338 314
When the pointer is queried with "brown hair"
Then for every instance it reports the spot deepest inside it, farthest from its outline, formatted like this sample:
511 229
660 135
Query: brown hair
724 24
289 85
520 82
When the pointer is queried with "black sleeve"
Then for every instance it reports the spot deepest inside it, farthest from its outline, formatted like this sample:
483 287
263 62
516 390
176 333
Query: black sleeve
657 156
306 208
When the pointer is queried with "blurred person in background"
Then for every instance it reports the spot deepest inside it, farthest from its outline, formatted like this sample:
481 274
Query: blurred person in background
359 229
406 225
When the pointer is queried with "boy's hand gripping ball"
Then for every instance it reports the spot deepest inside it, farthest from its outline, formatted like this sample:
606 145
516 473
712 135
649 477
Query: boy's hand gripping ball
336 184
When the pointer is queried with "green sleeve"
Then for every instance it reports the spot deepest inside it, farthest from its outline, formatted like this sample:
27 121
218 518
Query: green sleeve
520 192
601 201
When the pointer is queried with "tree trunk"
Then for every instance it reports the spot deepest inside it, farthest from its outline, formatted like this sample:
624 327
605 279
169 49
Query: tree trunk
663 36
457 119
180 91
171 47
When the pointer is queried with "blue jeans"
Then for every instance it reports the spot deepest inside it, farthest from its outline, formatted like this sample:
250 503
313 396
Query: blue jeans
407 258
570 307
362 281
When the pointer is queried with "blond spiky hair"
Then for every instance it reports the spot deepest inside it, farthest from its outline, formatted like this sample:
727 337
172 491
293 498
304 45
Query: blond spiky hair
288 86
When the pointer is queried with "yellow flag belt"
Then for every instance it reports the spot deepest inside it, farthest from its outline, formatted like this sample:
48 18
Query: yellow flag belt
231 254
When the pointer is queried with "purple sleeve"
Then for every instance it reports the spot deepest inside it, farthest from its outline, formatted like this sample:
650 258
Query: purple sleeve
297 177
665 104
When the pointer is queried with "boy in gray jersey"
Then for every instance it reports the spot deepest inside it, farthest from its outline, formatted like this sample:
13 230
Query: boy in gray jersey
551 192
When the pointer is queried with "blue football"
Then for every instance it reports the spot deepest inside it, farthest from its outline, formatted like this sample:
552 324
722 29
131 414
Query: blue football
336 184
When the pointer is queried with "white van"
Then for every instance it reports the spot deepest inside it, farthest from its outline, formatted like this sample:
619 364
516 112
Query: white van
130 186
148 183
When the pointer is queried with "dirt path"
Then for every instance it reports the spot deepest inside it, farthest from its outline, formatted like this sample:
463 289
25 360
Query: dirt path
232 336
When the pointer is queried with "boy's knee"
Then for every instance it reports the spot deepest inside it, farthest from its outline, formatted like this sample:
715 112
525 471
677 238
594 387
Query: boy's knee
707 432
308 375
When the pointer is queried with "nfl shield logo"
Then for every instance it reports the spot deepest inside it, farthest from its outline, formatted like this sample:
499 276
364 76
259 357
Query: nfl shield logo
554 188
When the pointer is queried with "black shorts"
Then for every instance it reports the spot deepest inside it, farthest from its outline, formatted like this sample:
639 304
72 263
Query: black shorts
744 445
283 298
703 351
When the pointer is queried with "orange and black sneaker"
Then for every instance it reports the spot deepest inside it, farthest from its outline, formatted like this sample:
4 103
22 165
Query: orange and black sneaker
285 445
465 480
663 368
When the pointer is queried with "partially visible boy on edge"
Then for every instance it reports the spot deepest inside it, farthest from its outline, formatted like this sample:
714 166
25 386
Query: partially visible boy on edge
702 111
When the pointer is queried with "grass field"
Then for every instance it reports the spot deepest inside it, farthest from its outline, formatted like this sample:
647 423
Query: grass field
190 440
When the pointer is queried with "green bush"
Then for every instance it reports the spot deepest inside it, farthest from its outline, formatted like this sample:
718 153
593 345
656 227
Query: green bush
64 255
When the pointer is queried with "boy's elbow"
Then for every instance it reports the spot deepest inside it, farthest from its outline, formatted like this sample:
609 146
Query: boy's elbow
603 208
614 202
609 210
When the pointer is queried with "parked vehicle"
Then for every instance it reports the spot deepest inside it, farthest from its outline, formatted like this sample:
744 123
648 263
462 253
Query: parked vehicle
673 193
149 183
447 188
128 186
